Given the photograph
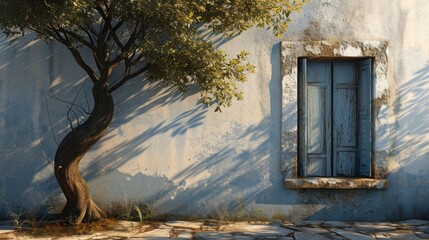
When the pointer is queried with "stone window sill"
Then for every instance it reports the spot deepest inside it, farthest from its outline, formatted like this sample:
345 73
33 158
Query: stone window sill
335 183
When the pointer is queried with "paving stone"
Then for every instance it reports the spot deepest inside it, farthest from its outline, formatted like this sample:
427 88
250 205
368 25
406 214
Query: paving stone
335 224
42 238
213 236
163 226
403 235
184 235
291 227
184 230
256 229
407 237
307 235
373 227
424 228
126 234
350 229
422 234
381 236
100 237
184 224
314 229
391 224
338 237
75 237
351 235
156 233
306 223
415 222
242 237
314 222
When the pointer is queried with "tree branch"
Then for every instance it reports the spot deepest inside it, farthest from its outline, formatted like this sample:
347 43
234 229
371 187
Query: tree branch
112 33
82 63
103 36
76 54
128 77
79 38
90 44
136 33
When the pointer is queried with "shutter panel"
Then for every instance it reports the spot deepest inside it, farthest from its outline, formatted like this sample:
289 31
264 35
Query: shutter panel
365 97
302 117
345 120
318 118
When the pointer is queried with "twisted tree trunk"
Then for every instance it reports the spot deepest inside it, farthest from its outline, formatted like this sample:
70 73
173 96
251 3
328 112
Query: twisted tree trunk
71 150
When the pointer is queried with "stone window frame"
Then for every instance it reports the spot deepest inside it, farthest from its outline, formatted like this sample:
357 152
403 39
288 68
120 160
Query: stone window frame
290 52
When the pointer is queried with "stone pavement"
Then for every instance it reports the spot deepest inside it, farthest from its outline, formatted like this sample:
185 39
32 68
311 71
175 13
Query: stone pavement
286 230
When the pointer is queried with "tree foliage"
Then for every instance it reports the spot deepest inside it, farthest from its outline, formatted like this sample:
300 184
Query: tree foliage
157 37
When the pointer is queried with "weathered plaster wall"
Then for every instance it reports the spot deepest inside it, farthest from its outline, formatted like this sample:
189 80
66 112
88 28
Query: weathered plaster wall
181 158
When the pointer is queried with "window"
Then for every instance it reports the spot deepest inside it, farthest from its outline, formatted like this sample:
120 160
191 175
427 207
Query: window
334 117
335 130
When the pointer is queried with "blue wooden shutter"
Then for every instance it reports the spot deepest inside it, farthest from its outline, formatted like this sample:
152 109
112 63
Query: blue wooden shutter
345 120
318 122
302 117
365 97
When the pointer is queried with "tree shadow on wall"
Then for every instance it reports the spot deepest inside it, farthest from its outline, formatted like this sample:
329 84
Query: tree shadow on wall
34 114
237 169
132 129
410 147
22 67
217 179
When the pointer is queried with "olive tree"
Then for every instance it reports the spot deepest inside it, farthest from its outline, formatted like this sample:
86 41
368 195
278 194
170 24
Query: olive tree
144 40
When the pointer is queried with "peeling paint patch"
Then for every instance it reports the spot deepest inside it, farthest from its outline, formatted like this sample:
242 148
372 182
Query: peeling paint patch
350 51
313 49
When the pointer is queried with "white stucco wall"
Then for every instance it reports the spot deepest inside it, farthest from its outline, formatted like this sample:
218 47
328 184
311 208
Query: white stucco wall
181 158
